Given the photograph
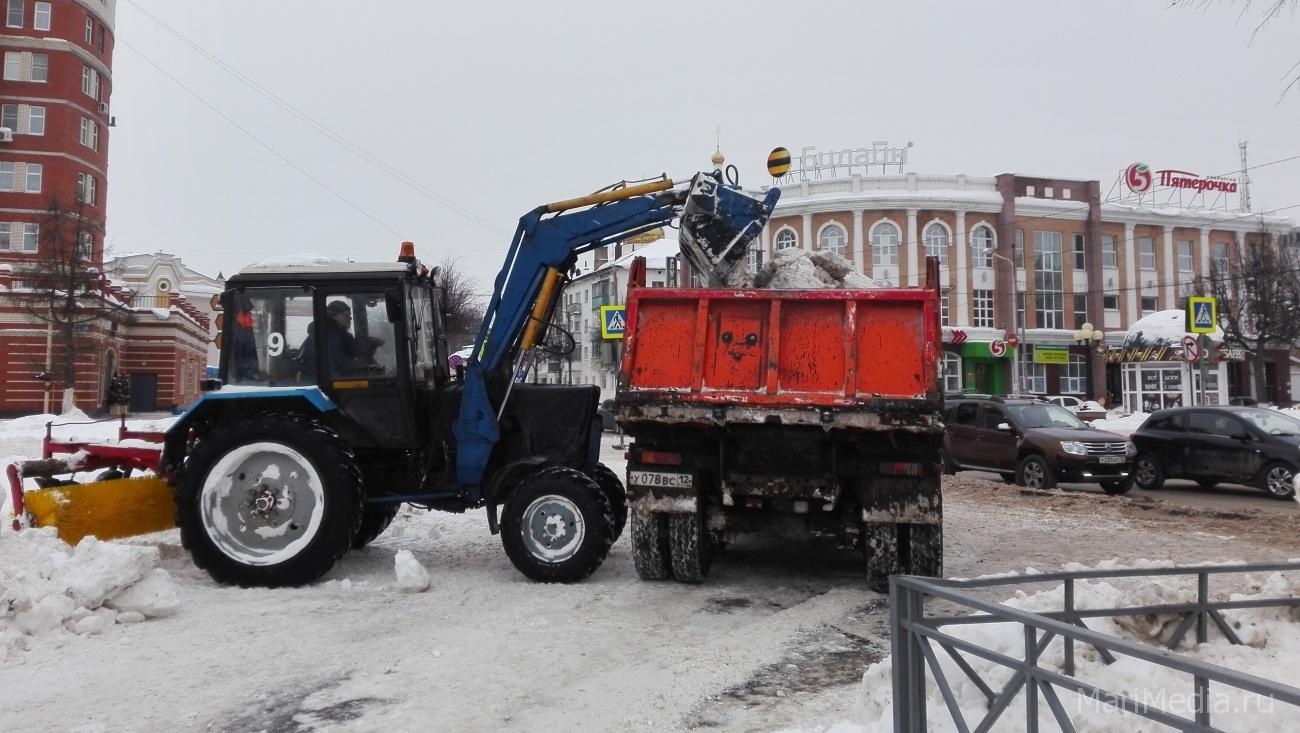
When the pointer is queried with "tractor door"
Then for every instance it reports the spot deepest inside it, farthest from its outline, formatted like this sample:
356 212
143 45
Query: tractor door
362 362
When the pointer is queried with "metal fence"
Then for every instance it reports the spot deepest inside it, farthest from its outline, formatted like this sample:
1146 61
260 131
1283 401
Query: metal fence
915 634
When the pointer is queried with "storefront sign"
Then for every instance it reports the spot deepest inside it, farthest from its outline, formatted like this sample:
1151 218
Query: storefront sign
849 161
1171 380
1140 178
1232 353
1134 354
1150 380
1051 354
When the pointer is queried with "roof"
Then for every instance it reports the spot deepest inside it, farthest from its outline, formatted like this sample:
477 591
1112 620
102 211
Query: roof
332 271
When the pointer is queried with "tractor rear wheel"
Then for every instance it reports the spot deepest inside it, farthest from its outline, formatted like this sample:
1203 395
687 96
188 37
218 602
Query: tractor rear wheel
609 482
374 520
271 500
557 525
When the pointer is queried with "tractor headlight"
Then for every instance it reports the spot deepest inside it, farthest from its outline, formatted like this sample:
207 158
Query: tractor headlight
1074 448
1130 449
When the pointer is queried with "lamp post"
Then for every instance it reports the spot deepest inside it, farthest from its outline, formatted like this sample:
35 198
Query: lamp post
1017 369
1089 337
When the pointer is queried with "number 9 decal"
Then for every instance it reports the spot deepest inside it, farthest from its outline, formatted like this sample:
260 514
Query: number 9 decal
275 343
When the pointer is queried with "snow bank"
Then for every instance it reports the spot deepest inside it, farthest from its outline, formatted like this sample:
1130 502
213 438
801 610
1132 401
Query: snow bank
1271 649
795 269
1119 424
48 588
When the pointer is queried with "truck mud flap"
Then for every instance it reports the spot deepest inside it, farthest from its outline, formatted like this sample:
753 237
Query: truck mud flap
902 500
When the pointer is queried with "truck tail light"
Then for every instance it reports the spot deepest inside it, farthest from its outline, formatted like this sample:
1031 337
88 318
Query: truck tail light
661 458
902 469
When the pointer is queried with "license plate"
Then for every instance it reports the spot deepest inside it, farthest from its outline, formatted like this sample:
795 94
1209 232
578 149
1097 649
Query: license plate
1112 459
661 479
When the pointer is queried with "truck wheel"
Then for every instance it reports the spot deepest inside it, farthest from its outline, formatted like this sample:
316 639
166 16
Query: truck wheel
609 483
690 549
557 526
1035 473
374 520
925 550
880 544
273 500
650 546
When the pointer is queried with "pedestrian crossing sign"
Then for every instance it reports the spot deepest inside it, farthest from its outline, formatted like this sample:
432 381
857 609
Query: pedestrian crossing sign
1202 315
613 321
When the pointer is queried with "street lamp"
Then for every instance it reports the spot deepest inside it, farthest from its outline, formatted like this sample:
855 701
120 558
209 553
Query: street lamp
1017 370
1088 337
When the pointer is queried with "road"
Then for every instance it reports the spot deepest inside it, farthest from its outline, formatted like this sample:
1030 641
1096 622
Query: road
1188 493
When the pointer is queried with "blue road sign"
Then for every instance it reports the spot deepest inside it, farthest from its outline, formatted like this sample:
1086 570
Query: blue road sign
1203 319
613 321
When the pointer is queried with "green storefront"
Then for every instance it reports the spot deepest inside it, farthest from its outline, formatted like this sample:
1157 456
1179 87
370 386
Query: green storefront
981 371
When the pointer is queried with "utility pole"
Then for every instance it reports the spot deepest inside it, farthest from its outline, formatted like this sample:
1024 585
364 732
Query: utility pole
1245 177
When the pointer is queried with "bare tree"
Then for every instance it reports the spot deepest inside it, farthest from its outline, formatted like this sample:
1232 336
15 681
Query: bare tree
1259 297
1261 12
61 286
463 305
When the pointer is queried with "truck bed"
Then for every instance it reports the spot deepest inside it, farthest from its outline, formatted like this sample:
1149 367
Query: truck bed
865 359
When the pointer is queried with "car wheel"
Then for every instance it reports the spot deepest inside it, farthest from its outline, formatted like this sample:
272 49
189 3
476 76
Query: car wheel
1117 488
1278 480
1034 473
1148 473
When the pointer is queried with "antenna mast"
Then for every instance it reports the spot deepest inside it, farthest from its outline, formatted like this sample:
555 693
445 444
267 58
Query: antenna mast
1245 178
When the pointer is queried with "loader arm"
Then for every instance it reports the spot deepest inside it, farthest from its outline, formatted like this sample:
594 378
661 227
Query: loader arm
718 222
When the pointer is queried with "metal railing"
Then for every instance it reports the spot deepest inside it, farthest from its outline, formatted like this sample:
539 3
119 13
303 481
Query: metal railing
913 634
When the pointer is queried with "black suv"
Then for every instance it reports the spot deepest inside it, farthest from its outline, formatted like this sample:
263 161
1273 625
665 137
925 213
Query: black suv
1212 445
1033 443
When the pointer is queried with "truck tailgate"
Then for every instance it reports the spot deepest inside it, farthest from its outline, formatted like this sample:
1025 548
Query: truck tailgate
781 349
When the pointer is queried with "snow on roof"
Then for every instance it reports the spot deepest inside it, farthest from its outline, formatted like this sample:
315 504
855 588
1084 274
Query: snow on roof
302 259
1163 328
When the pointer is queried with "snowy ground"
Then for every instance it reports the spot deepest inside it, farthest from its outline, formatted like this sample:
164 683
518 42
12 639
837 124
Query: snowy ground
777 638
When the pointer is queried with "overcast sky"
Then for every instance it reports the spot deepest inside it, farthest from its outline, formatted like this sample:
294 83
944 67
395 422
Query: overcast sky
484 110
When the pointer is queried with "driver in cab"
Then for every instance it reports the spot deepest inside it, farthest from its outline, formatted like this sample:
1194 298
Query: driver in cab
348 355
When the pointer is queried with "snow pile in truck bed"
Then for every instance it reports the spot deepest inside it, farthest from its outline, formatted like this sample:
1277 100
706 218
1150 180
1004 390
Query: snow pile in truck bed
795 269
48 588
1271 649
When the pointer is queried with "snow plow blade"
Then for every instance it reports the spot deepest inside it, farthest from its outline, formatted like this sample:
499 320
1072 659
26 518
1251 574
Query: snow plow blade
106 509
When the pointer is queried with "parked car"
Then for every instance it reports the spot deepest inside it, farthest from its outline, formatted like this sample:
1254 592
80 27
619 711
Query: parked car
1213 445
1033 443
1086 410
606 413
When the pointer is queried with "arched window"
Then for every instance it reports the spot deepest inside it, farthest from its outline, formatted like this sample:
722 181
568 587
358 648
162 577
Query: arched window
981 246
833 238
951 366
786 238
884 244
936 242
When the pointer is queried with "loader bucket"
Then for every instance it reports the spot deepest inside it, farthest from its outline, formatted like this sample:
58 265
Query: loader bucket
718 225
106 509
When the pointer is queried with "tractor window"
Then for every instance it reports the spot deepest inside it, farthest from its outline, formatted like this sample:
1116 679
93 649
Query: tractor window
425 330
355 338
267 329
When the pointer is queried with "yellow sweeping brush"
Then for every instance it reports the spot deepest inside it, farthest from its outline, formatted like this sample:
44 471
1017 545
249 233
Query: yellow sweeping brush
106 509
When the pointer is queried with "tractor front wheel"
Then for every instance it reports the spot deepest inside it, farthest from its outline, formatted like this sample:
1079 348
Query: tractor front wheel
557 525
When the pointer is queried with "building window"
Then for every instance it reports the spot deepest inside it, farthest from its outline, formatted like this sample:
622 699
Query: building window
14 18
86 188
1018 248
1080 309
89 133
1148 304
90 82
1147 250
40 67
943 308
1109 256
1221 259
1074 379
833 238
1036 378
9 116
6 176
86 245
34 175
42 20
951 365
13 66
936 242
754 258
1185 256
35 120
884 244
4 236
1080 263
1048 294
786 238
981 245
1110 302
983 316
31 233
90 30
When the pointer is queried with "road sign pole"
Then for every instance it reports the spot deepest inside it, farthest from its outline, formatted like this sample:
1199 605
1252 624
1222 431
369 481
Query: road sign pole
1205 367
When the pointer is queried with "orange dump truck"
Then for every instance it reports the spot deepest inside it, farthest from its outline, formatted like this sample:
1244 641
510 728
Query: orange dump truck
810 412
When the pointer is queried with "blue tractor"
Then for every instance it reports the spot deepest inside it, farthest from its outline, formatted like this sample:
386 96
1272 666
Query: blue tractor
335 404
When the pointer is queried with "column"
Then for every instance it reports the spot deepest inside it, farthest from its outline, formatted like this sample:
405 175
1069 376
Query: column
1205 252
913 250
1133 295
1168 293
807 242
960 273
858 249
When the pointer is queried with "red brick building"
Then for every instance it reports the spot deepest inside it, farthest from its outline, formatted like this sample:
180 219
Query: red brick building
54 135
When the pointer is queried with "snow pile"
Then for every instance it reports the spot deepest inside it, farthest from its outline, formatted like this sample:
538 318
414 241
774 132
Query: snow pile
795 269
1120 424
49 588
1271 649
304 259
412 577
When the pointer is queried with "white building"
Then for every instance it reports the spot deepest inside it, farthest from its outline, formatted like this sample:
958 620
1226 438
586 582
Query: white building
154 277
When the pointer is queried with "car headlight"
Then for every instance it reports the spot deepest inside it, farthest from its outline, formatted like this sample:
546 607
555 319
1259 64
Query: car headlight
1074 448
1130 449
